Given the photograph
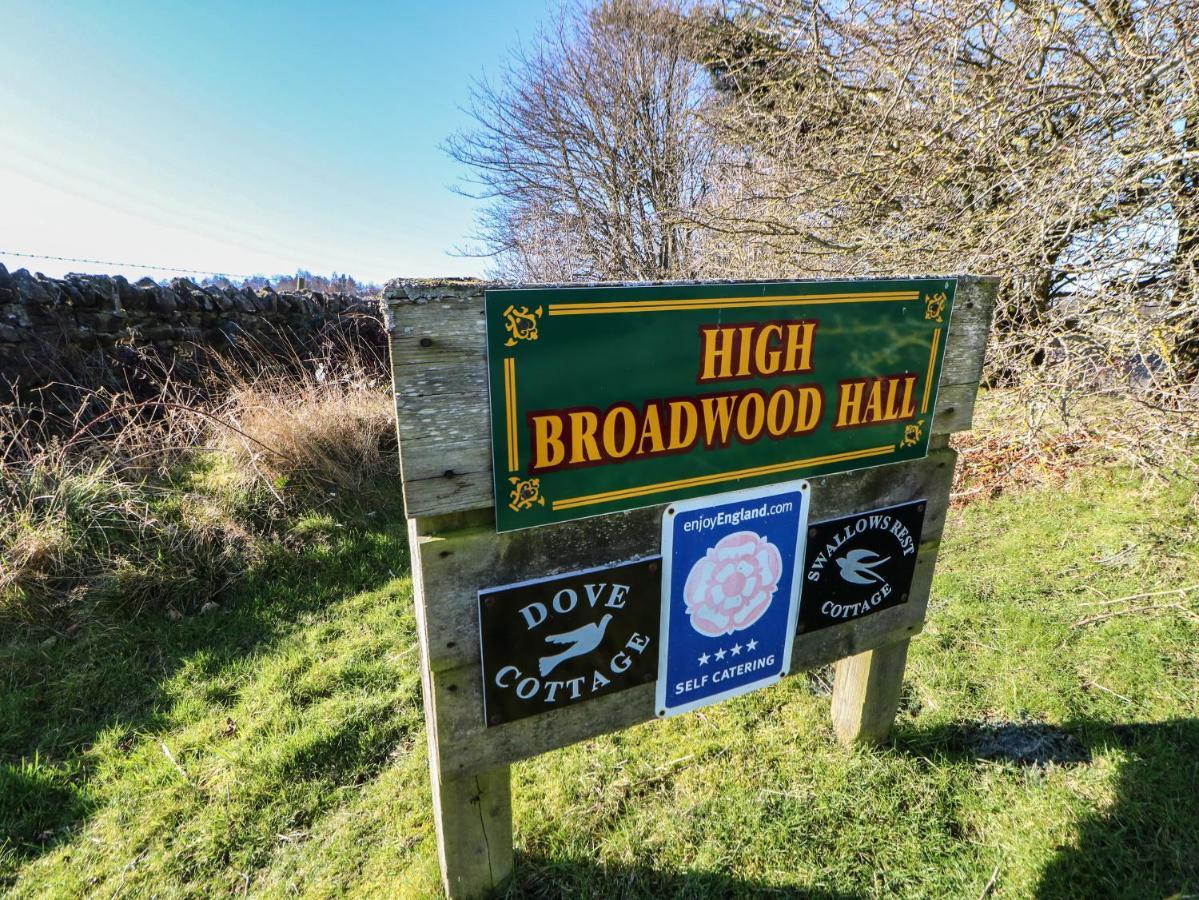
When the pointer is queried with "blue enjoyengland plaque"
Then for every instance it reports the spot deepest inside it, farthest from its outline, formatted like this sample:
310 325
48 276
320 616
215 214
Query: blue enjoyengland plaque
730 592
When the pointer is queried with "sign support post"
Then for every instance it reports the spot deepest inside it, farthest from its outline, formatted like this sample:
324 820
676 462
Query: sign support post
472 812
881 524
866 690
473 817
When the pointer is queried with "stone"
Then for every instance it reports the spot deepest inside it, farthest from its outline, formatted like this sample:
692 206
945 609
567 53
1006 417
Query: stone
64 330
160 333
128 293
162 300
222 301
28 289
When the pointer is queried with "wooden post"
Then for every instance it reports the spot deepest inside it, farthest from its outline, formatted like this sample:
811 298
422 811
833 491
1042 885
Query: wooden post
866 693
472 811
473 816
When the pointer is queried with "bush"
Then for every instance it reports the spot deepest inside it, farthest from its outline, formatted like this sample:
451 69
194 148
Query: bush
317 439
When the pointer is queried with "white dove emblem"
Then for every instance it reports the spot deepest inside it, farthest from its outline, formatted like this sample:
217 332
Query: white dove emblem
584 639
858 568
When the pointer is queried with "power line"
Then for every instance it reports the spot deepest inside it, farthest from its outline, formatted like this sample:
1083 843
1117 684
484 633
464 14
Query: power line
107 262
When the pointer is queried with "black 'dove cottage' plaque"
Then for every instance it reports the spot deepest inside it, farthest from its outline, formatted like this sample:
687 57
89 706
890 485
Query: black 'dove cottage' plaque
558 641
859 564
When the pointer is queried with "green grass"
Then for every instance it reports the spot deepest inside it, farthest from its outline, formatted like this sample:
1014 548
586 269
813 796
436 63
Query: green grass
278 747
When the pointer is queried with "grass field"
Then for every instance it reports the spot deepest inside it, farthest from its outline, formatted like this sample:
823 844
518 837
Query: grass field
1047 744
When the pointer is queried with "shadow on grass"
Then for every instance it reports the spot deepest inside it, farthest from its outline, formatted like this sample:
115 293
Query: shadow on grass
37 803
1145 843
581 878
60 697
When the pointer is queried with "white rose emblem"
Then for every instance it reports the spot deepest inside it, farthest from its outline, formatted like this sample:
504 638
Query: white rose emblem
731 587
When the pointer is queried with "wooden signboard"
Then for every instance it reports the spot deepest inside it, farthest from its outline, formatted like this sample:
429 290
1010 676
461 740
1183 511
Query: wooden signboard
468 546
610 398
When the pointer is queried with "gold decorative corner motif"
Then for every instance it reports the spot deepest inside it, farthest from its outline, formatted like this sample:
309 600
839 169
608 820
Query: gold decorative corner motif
525 492
934 306
912 434
521 324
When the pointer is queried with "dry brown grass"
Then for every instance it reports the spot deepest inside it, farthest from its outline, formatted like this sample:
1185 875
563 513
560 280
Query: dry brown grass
164 503
314 439
1020 442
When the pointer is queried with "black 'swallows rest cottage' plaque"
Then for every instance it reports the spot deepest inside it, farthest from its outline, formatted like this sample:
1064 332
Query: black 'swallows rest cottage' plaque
557 641
859 564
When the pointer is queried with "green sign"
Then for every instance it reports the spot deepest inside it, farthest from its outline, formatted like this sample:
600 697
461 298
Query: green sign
611 398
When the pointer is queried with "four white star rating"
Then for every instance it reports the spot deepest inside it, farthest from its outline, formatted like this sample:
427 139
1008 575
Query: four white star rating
721 653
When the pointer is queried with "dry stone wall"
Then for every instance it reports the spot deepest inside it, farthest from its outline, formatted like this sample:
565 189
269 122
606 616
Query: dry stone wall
94 328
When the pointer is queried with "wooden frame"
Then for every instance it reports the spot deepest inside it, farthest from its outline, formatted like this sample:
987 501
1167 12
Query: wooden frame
438 353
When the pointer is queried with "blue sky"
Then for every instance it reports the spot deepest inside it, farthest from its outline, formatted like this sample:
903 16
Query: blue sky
243 137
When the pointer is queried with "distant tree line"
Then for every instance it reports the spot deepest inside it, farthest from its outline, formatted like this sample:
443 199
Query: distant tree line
325 284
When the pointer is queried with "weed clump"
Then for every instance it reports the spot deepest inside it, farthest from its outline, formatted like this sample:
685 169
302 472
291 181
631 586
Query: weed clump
316 438
164 504
79 532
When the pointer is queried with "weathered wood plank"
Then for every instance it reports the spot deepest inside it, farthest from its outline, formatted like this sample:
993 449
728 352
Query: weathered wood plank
955 408
439 366
455 565
466 745
472 812
866 691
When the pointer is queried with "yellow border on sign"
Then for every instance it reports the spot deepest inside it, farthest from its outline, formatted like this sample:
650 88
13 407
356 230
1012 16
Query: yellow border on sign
699 481
624 306
510 413
703 303
932 362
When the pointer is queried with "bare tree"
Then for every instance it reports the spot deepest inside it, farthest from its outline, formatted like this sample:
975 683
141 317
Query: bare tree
1052 142
589 148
